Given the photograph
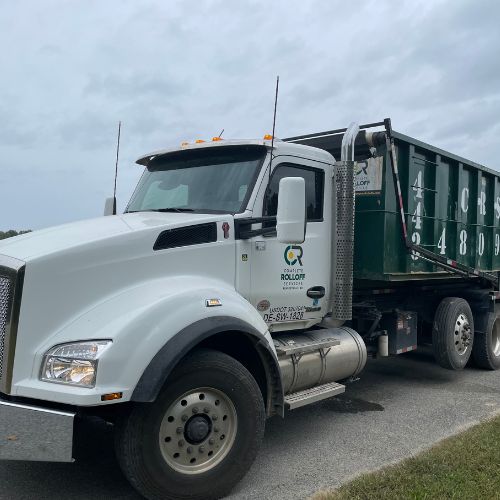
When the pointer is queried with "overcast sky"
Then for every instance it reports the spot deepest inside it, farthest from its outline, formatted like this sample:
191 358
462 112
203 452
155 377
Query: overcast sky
174 71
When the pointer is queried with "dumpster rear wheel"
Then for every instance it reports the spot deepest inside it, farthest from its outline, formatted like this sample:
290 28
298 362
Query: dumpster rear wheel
453 333
199 438
486 349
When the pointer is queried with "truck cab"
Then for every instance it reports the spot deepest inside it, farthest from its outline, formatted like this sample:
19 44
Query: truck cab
287 284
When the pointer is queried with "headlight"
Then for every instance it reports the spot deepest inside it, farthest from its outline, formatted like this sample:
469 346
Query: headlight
74 364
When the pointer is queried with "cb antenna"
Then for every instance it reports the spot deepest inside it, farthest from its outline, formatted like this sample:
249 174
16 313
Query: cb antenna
274 125
116 165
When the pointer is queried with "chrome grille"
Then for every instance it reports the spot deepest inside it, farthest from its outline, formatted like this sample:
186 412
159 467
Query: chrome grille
5 292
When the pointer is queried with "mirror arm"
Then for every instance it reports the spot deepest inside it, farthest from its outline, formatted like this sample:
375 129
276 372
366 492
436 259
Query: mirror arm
244 231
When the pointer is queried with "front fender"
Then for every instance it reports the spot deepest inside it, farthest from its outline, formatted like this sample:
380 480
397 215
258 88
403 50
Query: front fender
157 372
141 321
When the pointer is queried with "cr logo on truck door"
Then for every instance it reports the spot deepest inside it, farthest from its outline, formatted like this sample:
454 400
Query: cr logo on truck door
293 254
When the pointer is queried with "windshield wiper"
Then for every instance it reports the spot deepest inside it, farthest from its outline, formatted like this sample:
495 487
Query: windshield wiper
174 209
168 209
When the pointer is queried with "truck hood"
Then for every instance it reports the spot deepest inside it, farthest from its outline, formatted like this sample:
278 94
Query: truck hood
77 268
92 232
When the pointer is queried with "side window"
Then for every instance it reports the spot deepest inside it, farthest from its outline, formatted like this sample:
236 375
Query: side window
314 179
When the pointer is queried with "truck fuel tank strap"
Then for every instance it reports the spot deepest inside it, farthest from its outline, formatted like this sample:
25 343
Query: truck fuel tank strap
288 350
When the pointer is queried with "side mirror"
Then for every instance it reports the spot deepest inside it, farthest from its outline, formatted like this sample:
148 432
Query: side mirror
291 217
110 206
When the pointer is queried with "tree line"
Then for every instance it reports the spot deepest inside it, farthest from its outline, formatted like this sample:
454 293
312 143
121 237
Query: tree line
11 232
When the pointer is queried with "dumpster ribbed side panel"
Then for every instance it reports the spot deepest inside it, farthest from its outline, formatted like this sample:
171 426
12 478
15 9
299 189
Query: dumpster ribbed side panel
452 208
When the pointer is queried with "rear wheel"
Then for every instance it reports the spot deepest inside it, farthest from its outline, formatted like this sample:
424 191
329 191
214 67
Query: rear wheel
453 333
201 435
486 349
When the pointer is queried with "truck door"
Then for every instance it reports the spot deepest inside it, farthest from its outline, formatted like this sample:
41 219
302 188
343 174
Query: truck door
290 283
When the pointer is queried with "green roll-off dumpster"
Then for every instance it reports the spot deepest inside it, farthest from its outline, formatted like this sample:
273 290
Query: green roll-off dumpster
426 246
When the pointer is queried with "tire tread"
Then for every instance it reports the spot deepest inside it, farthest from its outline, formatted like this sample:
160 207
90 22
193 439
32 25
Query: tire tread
481 351
445 315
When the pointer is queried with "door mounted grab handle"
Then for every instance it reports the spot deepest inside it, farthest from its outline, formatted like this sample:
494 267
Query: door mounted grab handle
316 292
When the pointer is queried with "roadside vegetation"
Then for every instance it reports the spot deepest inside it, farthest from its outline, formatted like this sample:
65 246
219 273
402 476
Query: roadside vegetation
466 466
10 233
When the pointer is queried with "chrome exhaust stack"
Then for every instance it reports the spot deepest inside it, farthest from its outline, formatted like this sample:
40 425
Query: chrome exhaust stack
342 265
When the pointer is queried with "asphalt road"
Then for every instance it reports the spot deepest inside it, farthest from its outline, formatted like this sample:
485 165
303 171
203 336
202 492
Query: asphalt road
400 406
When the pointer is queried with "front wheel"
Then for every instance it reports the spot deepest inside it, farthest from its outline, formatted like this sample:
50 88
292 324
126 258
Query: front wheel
198 439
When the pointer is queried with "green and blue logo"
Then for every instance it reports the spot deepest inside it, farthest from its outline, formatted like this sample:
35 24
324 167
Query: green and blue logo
293 254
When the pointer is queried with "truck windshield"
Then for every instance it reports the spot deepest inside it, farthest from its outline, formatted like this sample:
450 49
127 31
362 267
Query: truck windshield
213 180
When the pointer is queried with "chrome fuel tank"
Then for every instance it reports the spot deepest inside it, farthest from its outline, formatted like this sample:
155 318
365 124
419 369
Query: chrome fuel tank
316 357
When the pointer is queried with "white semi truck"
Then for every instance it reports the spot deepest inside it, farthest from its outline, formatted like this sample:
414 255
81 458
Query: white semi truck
225 295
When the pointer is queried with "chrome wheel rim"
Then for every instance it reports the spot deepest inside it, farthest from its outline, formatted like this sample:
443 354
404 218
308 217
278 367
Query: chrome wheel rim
495 338
462 335
198 430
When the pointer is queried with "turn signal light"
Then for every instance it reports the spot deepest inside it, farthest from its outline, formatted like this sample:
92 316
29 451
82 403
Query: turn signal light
112 396
213 302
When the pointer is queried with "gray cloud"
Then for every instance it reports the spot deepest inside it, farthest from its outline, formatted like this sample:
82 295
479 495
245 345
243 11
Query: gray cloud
174 71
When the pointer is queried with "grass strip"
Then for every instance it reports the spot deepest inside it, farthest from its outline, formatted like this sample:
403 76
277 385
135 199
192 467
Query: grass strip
466 466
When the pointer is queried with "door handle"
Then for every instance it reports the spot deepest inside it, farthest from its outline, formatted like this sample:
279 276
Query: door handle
316 292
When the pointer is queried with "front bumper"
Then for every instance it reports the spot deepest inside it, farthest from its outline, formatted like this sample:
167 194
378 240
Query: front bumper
35 433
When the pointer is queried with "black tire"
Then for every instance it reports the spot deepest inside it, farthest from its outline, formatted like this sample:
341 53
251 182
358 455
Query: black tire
450 333
486 348
143 458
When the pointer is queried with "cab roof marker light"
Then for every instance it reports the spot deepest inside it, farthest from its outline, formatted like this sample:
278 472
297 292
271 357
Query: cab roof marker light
268 137
199 141
217 139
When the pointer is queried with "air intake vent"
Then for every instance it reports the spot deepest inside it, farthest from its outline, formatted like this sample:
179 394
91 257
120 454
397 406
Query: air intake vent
186 236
